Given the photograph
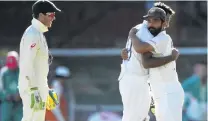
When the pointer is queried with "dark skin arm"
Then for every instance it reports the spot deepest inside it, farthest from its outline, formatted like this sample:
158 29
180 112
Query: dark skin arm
144 48
151 62
139 46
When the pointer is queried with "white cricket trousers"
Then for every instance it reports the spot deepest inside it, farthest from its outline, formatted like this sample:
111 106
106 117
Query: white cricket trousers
169 107
135 96
28 113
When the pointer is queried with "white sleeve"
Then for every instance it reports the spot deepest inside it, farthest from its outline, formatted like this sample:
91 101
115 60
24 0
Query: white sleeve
28 50
143 24
138 26
160 43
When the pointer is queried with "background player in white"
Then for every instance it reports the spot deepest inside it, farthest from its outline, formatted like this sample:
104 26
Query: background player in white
133 83
164 80
34 65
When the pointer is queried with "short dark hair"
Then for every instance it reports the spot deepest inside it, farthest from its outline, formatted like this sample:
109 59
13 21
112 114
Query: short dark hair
35 16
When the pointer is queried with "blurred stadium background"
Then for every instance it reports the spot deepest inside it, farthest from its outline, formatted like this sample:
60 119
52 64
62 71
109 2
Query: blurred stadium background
88 36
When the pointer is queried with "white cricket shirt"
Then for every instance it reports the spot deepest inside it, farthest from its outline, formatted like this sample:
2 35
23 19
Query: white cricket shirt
33 62
163 79
133 64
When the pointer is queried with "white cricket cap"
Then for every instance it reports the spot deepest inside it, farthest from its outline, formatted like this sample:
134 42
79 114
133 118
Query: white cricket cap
63 71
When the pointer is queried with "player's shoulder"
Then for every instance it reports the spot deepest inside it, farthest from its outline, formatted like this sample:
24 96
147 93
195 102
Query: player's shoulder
31 35
139 26
31 32
164 36
142 26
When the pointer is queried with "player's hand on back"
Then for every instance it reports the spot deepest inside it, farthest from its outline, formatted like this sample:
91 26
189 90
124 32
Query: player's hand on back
175 54
124 54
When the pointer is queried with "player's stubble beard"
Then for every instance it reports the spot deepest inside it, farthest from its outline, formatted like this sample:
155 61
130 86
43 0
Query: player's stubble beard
155 31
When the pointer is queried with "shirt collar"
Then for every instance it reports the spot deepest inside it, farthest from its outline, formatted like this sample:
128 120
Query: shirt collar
39 26
163 32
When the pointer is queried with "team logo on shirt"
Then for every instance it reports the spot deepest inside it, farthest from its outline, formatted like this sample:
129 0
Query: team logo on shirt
33 45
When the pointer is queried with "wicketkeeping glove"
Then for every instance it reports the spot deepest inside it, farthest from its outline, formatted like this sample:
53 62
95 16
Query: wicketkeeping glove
36 100
52 100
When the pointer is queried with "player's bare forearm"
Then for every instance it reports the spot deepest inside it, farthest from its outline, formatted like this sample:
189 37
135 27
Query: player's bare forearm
151 62
139 45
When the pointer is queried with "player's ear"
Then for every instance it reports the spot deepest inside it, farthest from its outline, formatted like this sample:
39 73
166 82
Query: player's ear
41 15
165 24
